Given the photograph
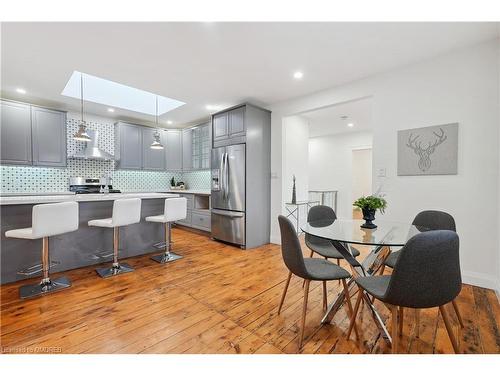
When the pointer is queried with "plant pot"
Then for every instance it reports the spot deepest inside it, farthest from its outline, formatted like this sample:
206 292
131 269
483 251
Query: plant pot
368 217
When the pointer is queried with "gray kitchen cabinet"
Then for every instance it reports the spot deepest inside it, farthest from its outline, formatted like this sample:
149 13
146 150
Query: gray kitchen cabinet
220 127
187 149
200 147
128 146
48 137
229 127
152 159
173 144
236 122
198 212
15 130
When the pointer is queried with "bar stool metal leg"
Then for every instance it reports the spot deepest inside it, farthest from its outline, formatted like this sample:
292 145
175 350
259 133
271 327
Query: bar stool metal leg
116 268
46 285
167 256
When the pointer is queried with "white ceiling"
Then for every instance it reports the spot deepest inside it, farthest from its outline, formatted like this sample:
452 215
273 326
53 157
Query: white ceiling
215 63
327 121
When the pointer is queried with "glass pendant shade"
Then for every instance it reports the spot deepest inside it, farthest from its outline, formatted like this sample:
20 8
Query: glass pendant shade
156 145
81 134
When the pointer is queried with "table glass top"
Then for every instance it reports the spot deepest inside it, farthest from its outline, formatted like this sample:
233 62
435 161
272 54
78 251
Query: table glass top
388 233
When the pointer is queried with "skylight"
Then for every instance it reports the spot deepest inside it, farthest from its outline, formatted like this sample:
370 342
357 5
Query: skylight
112 94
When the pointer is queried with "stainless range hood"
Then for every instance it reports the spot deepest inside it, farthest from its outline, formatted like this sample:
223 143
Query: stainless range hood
92 150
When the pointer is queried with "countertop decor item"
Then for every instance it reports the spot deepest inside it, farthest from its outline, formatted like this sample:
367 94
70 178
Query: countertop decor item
172 181
369 205
294 192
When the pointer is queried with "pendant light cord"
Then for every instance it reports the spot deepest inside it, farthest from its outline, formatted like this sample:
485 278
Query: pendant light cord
81 96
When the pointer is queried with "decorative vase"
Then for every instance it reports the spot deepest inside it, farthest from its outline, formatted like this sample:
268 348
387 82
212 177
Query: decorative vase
294 193
368 217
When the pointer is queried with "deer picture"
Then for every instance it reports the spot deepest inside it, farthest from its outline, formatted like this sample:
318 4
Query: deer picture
424 153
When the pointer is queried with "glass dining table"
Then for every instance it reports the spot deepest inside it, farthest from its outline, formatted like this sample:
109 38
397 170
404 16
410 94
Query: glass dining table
343 234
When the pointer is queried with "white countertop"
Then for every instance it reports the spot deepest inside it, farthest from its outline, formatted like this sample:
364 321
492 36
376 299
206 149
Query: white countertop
191 191
34 199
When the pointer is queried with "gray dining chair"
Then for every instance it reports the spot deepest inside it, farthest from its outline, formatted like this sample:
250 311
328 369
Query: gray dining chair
309 269
426 274
322 246
426 220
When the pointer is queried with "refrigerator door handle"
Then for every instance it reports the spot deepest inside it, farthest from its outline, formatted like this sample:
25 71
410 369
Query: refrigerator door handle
227 213
226 171
221 175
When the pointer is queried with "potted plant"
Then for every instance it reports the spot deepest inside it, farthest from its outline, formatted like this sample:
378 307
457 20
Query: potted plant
369 205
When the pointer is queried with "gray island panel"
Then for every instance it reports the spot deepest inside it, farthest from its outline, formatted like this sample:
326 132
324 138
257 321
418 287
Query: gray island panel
76 249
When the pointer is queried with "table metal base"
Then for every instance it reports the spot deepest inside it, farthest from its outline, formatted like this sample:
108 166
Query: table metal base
371 264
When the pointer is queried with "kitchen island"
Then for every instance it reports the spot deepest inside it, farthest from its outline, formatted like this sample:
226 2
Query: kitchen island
87 245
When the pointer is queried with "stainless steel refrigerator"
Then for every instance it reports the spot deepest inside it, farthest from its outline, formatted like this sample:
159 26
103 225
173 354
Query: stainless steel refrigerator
228 193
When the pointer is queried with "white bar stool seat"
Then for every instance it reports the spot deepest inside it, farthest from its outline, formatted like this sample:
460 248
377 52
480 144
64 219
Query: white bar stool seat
175 209
125 212
47 220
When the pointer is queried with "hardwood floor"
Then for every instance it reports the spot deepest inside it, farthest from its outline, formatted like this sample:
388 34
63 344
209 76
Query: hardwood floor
218 299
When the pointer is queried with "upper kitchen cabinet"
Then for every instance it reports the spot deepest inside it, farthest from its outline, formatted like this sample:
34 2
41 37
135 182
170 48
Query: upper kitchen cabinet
220 128
49 137
187 149
173 145
152 159
32 135
16 133
229 127
128 146
197 146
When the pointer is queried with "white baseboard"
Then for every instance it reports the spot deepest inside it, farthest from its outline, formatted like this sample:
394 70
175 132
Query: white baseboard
276 239
482 280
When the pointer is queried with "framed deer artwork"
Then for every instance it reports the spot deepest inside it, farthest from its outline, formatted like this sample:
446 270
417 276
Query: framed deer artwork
431 150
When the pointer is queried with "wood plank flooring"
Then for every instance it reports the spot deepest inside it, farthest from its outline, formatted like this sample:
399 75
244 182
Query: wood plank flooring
218 299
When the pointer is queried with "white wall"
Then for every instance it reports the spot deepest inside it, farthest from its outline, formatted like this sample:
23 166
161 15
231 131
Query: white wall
458 87
362 170
296 135
330 166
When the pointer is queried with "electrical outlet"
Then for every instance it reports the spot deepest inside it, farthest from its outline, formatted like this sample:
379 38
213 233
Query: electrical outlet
381 172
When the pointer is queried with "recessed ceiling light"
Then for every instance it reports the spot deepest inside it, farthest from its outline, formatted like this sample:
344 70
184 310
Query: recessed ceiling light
169 122
111 109
21 91
298 75
211 107
350 124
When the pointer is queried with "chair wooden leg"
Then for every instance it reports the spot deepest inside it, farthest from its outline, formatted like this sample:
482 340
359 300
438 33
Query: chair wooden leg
417 322
325 302
400 320
353 317
455 306
284 292
304 310
310 256
338 264
382 269
349 306
394 334
449 328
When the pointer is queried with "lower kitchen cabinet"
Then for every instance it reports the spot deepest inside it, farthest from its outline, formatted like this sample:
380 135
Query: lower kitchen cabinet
201 220
198 212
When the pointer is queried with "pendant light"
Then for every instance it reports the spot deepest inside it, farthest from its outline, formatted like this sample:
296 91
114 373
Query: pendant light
81 134
156 145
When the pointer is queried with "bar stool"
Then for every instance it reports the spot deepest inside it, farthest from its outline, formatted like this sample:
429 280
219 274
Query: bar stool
175 209
47 220
125 212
